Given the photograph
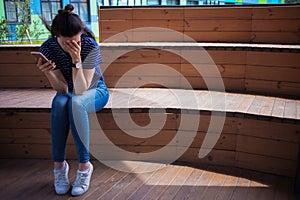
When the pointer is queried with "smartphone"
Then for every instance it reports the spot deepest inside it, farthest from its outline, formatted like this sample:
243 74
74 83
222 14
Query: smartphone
38 55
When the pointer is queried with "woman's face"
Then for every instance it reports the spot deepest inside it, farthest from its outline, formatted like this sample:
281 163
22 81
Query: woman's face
64 40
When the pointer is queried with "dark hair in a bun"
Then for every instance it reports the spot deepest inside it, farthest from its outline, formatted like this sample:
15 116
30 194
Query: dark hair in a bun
67 24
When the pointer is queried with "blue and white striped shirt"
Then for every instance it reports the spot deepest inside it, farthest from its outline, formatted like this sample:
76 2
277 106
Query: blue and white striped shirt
90 57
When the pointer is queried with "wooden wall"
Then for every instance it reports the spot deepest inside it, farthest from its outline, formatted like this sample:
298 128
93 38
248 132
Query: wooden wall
268 71
268 24
265 145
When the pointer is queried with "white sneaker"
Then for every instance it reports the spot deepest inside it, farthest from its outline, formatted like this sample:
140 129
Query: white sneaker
61 180
82 182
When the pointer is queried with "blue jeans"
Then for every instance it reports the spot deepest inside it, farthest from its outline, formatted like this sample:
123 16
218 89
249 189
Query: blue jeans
69 110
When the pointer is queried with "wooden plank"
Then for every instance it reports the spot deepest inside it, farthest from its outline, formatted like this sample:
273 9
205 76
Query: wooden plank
134 185
115 25
215 157
226 71
25 120
143 81
298 109
267 147
276 88
157 190
275 37
288 25
218 25
16 69
178 182
174 24
256 105
280 59
290 109
267 107
141 192
273 73
115 14
148 56
202 184
107 184
246 103
17 56
214 187
269 129
233 101
217 13
157 13
120 69
276 12
230 184
213 36
215 84
24 82
266 164
278 108
192 184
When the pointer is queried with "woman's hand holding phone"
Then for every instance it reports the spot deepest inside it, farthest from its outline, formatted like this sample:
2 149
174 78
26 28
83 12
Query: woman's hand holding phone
45 67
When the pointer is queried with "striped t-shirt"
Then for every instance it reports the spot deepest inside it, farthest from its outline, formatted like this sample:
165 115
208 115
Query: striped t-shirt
90 57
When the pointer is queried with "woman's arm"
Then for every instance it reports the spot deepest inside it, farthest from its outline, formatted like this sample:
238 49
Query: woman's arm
55 77
82 78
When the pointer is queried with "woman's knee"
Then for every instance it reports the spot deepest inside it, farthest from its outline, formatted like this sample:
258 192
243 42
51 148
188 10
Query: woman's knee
60 101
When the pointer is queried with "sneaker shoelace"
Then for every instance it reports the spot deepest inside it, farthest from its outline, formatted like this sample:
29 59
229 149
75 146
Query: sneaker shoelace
60 177
81 180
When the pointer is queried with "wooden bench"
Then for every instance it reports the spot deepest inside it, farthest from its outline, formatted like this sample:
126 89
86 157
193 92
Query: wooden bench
260 132
261 80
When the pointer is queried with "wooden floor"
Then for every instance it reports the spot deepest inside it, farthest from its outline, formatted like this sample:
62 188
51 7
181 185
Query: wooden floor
166 98
33 179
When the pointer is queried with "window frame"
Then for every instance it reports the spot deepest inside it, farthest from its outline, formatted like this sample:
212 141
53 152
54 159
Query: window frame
77 3
52 12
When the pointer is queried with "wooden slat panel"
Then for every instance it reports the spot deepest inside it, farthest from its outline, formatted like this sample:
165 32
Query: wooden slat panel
267 147
219 25
25 120
273 87
157 13
175 24
115 25
276 12
24 82
278 108
290 109
275 37
273 73
280 59
115 14
17 69
17 57
230 84
266 164
176 184
267 107
119 69
256 105
227 71
217 13
289 25
269 130
212 36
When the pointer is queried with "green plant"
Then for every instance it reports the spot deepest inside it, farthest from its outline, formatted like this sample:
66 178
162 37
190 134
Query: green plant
24 16
3 30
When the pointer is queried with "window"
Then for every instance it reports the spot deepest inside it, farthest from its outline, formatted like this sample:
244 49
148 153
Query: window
11 9
81 7
50 8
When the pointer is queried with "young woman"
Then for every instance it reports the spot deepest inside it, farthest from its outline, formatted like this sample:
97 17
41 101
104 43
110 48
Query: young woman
73 70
